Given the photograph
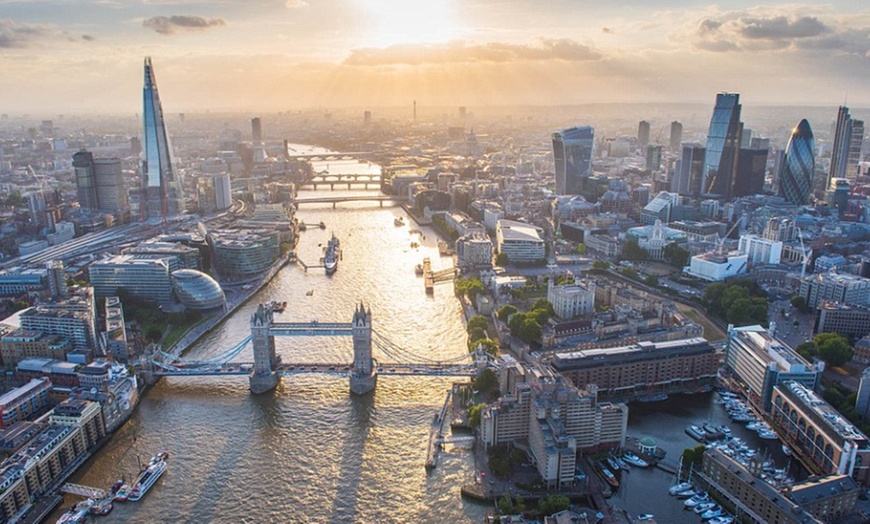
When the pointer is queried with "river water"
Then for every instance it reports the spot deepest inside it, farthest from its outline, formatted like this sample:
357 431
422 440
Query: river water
310 451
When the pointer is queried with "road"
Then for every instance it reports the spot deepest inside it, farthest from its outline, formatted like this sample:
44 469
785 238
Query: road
786 330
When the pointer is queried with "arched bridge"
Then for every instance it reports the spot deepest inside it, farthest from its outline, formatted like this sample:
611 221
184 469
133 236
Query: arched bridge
267 369
337 200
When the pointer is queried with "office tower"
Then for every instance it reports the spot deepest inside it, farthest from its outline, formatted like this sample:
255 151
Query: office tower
643 133
367 118
572 152
161 187
723 145
100 183
56 279
83 166
838 194
844 154
256 130
854 159
749 177
688 178
796 176
653 158
758 142
462 113
676 136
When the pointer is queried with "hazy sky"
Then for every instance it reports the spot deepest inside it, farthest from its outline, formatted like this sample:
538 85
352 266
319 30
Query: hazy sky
85 55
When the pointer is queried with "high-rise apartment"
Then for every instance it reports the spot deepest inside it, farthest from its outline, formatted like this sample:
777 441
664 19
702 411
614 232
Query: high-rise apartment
723 145
676 136
643 133
796 177
161 187
572 152
100 183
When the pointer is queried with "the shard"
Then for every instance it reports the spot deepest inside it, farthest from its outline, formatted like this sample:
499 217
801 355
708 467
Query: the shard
161 187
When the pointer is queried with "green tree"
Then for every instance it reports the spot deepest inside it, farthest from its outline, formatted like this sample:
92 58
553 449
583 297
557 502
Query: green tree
833 348
486 383
505 312
529 331
601 265
688 456
676 255
699 454
808 350
632 250
502 260
651 280
553 504
543 303
488 345
474 413
581 248
476 322
629 272
474 335
800 303
469 287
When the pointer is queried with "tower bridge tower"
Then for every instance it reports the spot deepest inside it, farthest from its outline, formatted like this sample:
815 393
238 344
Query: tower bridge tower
263 376
363 375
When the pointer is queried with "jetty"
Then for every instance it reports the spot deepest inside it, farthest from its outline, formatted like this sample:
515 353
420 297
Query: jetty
436 436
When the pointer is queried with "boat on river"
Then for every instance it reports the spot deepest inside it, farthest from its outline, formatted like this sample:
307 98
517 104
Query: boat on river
330 260
150 475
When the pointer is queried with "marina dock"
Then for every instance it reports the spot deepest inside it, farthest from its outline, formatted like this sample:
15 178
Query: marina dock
436 436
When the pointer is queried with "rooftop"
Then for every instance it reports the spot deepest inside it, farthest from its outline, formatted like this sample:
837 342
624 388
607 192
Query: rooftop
826 412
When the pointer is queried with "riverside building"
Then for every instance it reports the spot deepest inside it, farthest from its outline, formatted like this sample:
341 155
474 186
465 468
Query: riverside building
558 420
846 289
829 443
643 369
761 361
244 253
74 429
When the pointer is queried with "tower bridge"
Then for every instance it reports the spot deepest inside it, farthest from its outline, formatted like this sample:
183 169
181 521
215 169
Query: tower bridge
267 368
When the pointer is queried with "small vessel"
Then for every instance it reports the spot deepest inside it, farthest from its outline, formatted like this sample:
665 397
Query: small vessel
608 476
645 517
77 514
704 506
723 519
321 225
691 492
634 460
696 433
653 397
156 468
696 500
766 434
309 292
398 221
302 226
725 430
123 493
712 431
330 260
102 507
786 450
715 511
613 463
418 269
679 488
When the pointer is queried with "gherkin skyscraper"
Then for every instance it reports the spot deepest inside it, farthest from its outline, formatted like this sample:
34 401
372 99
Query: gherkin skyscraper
796 177
161 187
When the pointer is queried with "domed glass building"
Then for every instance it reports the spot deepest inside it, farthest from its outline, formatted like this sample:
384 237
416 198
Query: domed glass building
198 291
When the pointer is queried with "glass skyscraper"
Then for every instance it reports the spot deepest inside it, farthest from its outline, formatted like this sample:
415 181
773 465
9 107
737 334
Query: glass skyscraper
687 181
161 187
796 178
572 152
723 145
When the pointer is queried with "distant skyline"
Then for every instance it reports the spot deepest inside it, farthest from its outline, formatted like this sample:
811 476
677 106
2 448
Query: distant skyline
74 56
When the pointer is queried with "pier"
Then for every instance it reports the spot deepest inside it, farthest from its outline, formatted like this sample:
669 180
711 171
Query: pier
435 434
80 490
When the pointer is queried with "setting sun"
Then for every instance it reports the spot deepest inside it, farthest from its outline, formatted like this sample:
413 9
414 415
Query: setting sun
401 22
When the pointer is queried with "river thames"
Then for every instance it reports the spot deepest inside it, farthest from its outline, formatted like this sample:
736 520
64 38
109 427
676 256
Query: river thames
311 452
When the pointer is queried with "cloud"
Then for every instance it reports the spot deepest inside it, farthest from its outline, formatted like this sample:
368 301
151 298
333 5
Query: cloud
17 35
790 29
458 52
295 4
169 25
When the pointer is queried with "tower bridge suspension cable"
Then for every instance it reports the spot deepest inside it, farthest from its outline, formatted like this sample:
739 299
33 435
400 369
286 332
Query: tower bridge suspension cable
402 355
